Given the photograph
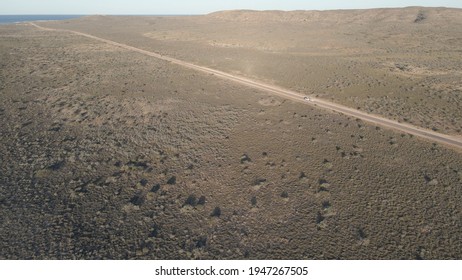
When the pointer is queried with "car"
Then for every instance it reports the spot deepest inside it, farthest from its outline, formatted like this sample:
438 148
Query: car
306 98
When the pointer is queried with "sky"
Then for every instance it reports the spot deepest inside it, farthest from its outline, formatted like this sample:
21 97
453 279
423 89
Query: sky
189 7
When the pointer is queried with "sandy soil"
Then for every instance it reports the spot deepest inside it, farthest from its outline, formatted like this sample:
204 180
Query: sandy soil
106 153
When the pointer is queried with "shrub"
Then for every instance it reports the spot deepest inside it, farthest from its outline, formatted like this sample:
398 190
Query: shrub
216 212
172 180
253 200
155 188
191 200
154 231
201 200
420 17
361 234
138 199
201 242
319 218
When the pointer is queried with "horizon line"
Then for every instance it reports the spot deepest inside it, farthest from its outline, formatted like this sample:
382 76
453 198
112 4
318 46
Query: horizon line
198 14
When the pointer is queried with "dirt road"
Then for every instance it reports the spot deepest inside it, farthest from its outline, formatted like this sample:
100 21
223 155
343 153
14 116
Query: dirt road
377 120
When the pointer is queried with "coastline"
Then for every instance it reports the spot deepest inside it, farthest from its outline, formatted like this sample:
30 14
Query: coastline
15 19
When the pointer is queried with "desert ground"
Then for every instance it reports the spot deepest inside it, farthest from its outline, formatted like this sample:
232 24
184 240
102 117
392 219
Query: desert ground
107 153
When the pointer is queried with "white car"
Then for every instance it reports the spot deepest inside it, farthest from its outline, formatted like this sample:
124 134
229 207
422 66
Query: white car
306 98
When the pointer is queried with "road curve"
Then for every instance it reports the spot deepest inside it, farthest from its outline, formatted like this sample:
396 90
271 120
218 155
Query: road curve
452 141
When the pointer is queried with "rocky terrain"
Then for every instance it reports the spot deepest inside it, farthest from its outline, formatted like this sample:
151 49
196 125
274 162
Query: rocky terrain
110 154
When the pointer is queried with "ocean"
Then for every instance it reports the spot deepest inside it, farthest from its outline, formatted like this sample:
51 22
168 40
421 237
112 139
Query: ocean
8 19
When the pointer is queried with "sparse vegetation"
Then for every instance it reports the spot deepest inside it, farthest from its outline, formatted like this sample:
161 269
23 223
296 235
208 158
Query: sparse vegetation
108 154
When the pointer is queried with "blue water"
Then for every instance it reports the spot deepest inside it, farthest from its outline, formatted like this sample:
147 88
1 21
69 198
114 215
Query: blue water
8 19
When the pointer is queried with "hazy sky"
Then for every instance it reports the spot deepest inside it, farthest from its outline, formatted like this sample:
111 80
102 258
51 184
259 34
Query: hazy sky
197 6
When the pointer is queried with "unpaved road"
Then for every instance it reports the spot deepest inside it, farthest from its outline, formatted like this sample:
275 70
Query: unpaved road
377 120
